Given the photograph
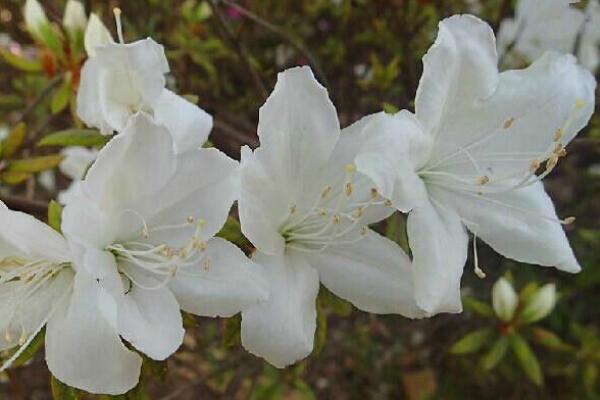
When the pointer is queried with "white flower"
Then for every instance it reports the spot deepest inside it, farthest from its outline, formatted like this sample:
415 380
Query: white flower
504 299
40 287
35 17
96 34
306 209
542 25
540 305
74 18
123 79
142 226
76 162
470 154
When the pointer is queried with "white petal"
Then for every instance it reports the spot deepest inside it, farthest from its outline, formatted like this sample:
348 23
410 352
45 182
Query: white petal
374 274
151 321
439 242
298 124
77 160
31 236
518 124
459 69
83 350
281 330
223 284
395 147
133 165
519 224
89 107
96 34
188 124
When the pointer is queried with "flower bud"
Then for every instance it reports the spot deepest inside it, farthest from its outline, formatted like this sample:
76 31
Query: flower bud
35 17
96 34
74 18
540 304
504 299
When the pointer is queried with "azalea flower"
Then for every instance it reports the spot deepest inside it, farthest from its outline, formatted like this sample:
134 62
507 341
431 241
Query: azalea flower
96 34
142 225
542 25
504 299
121 80
39 286
75 164
474 154
307 210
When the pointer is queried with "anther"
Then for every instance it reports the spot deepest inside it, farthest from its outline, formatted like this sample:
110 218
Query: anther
348 189
387 202
364 230
206 265
508 123
350 168
374 193
558 135
293 209
191 220
568 220
483 180
336 219
325 191
359 212
535 165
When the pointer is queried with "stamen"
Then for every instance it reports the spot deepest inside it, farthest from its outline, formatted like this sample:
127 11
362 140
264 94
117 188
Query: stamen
117 12
508 123
483 180
478 271
568 220
558 135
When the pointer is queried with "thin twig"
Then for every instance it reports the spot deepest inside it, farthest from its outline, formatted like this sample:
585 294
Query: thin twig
38 100
286 36
240 49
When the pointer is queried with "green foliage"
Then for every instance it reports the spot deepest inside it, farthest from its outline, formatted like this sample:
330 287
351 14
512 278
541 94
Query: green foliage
495 354
473 341
527 358
21 63
74 137
13 142
55 215
60 391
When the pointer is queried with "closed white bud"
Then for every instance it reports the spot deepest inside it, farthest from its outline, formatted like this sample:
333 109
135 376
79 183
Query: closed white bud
540 304
74 18
504 299
35 17
96 34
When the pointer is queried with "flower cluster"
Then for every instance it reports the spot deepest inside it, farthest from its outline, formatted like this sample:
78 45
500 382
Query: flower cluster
137 242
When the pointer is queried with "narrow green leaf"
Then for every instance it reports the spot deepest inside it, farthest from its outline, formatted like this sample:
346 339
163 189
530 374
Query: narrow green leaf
20 63
549 339
13 142
60 98
36 345
527 359
321 332
35 164
14 178
339 306
232 331
472 341
55 215
60 391
495 354
232 232
75 137
478 307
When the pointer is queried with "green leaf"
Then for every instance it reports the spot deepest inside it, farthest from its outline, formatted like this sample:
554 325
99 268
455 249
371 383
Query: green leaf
321 331
55 215
232 331
549 339
75 137
339 306
35 164
13 142
36 345
590 377
232 232
14 178
302 389
60 391
396 230
528 291
472 341
527 359
495 354
155 369
20 63
478 307
60 99
51 38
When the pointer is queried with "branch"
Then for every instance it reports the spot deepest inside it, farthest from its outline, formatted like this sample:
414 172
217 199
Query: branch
286 36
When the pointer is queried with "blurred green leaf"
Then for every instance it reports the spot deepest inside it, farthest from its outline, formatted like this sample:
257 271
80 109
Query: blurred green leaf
19 62
495 354
14 178
55 215
303 390
321 332
75 137
35 164
527 358
478 307
473 341
232 232
60 391
549 339
590 377
339 306
13 142
36 345
61 97
232 331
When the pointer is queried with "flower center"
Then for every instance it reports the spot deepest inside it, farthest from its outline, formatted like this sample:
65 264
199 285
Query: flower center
24 278
163 261
336 217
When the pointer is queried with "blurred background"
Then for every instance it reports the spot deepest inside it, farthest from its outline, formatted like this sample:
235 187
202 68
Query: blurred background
225 55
